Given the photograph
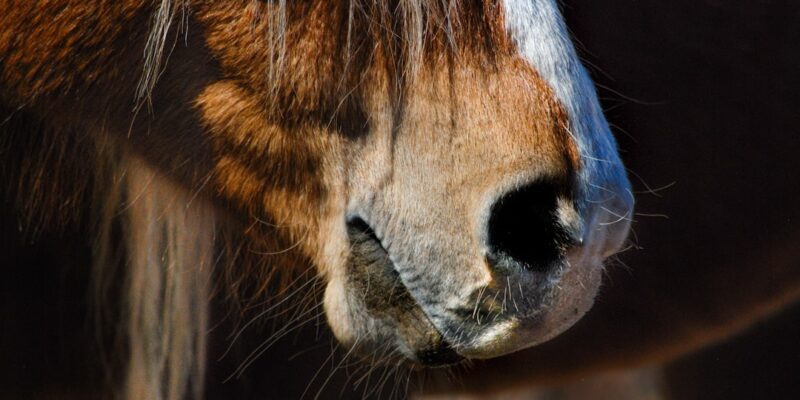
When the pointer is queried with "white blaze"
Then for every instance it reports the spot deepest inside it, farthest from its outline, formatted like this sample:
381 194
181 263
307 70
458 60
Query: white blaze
539 31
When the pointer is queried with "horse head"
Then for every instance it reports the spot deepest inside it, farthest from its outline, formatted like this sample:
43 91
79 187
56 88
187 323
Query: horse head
443 166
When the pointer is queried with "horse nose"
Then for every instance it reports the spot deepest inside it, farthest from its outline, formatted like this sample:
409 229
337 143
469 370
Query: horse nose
530 227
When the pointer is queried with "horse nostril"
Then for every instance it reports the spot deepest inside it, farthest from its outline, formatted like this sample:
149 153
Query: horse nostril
524 228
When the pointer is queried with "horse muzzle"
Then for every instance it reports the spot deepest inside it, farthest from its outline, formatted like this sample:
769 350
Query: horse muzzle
537 272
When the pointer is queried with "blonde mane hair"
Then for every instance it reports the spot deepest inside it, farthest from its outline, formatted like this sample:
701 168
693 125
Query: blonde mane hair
170 242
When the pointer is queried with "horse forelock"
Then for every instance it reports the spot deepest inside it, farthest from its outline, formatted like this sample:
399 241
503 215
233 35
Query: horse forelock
400 34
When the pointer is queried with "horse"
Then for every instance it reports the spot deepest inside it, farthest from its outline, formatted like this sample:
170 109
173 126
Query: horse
438 175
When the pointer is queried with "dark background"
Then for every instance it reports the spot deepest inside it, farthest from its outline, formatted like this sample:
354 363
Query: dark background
703 96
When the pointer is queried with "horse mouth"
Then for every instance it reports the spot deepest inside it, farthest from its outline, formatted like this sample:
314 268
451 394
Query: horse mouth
386 300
